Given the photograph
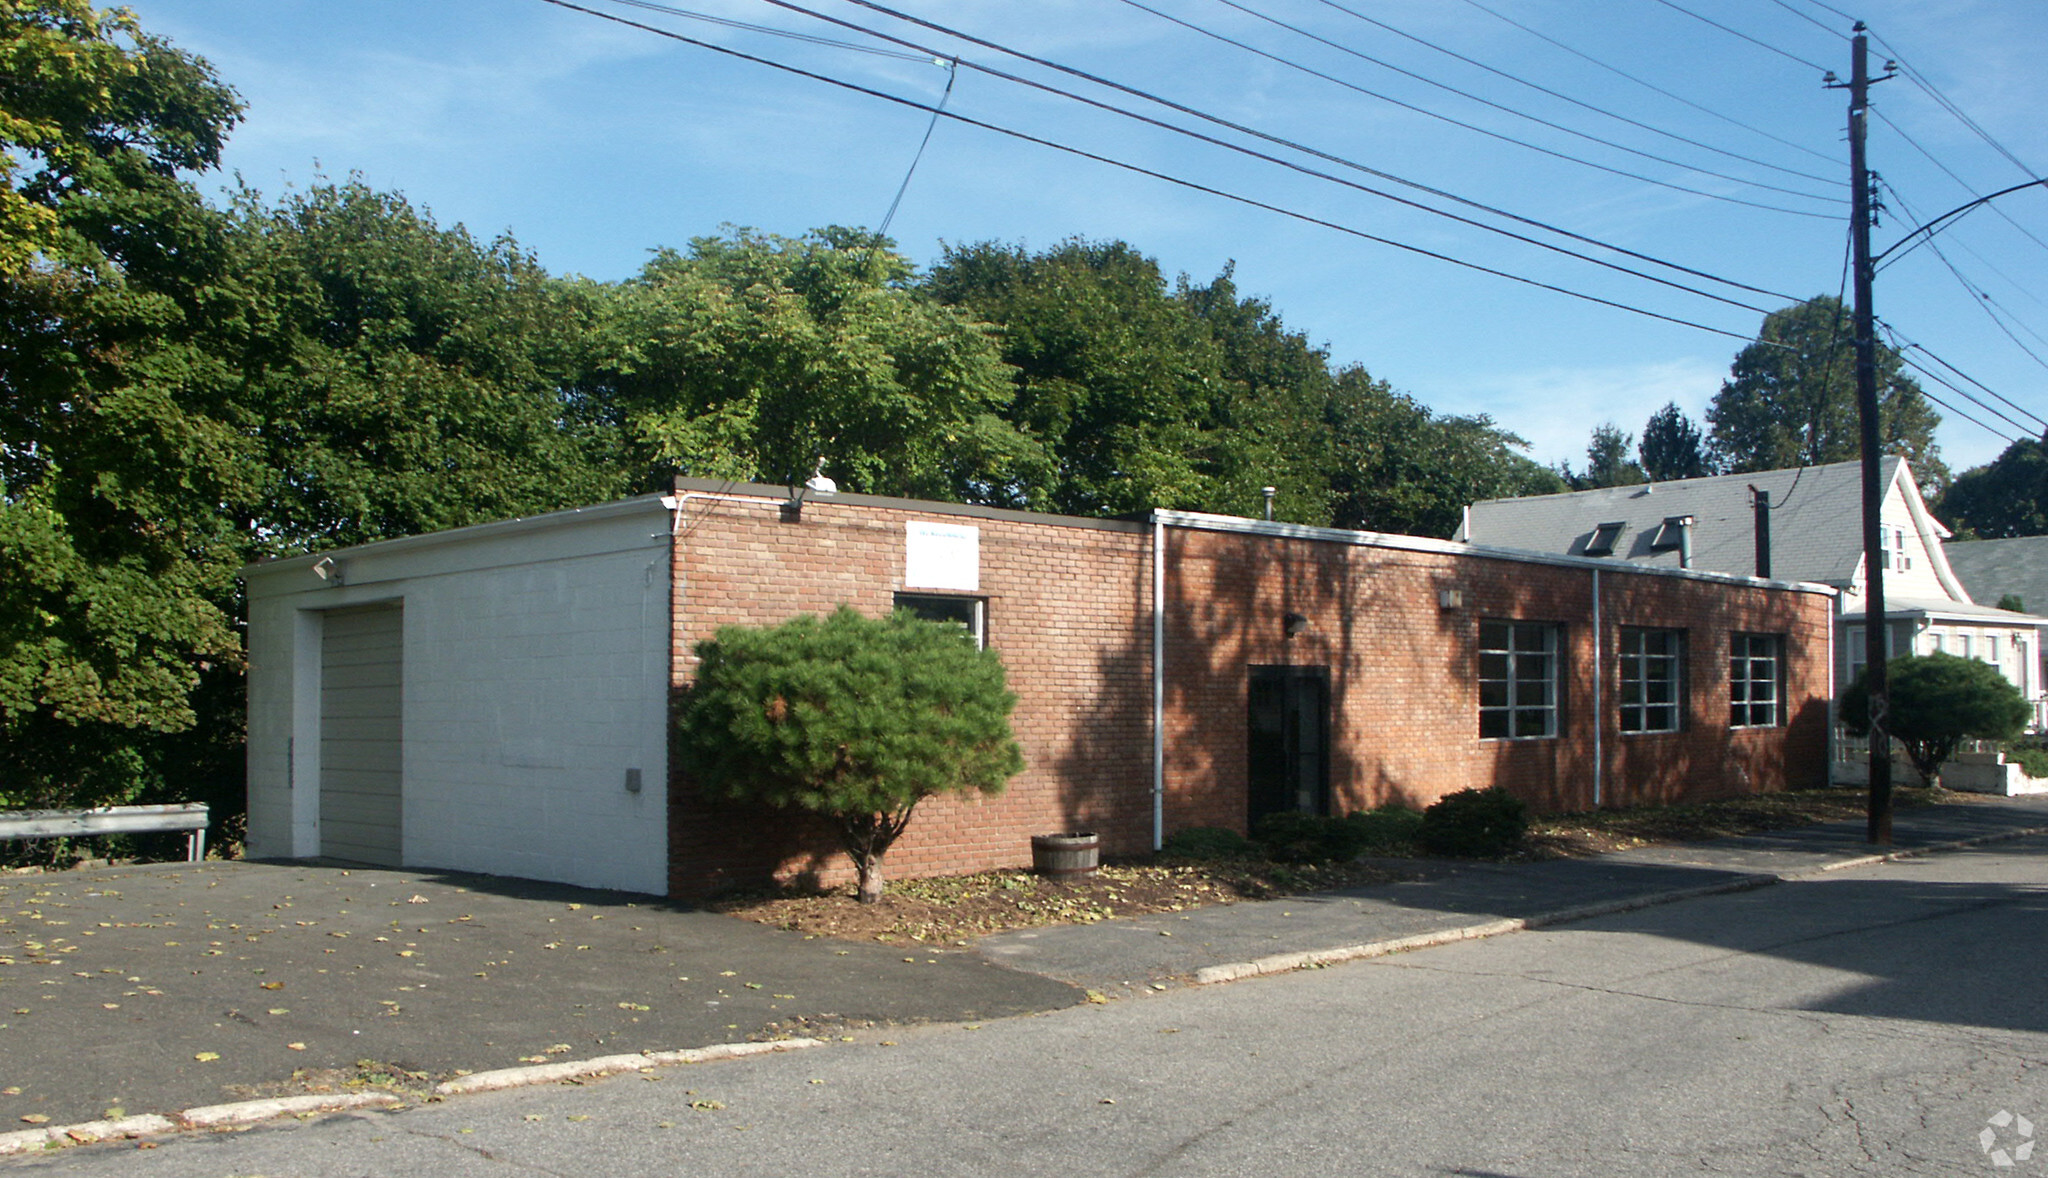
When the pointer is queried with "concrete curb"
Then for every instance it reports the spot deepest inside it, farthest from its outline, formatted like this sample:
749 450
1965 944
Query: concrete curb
1309 959
605 1065
24 1140
250 1112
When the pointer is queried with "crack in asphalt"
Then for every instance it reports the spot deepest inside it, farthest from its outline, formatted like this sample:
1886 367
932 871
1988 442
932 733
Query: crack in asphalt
486 1154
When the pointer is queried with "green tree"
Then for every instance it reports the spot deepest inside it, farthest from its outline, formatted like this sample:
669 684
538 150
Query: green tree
1790 398
1112 375
2005 498
1398 467
406 378
754 357
1672 446
1264 423
851 718
1607 460
119 443
1937 701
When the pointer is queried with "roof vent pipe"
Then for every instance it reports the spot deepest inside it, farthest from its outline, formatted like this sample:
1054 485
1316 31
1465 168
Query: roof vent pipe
1762 506
1685 541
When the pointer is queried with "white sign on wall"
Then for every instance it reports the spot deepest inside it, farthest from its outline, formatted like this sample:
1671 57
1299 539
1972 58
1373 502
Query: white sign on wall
941 556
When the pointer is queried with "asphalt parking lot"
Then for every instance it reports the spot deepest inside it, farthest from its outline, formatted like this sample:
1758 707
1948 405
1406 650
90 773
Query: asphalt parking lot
153 988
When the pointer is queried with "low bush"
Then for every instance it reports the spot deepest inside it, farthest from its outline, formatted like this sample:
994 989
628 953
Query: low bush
2031 758
1385 828
1474 824
1293 837
1207 842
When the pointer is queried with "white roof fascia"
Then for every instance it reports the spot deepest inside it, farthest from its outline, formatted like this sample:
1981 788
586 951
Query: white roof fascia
1202 521
1932 533
496 529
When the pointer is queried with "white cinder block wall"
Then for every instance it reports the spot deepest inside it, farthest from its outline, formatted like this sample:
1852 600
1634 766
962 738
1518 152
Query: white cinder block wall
535 686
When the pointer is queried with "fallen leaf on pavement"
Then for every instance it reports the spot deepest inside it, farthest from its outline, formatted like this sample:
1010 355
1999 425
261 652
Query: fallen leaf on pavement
35 1119
206 1056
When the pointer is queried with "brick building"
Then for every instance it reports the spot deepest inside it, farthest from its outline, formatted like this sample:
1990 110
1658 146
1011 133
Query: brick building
496 698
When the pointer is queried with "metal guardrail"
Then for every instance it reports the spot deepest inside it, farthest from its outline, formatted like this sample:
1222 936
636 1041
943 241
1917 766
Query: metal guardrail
41 824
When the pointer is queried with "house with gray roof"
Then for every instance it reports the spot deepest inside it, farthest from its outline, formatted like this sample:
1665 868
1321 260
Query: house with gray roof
1994 569
1802 524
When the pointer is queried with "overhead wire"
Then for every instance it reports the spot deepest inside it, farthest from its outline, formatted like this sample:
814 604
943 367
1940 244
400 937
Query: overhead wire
1965 185
1981 297
1136 169
1920 80
1504 108
1651 86
1812 20
1944 382
1902 344
768 30
1473 127
1170 104
1765 45
1557 94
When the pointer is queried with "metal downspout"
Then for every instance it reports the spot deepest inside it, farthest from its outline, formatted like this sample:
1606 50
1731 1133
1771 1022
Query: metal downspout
1599 705
1158 681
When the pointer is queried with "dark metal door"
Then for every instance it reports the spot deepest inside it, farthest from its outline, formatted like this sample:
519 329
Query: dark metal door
1289 716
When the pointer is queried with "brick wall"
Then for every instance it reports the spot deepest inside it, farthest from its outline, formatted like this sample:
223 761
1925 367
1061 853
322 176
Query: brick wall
1068 607
1070 611
1403 673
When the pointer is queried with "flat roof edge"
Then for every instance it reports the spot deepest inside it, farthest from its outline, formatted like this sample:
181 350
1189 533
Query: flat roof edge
1231 523
484 531
780 493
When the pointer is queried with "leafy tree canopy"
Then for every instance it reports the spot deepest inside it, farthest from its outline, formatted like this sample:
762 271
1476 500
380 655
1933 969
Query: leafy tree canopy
1607 461
117 449
754 357
1936 702
852 718
2005 498
1673 447
1790 398
407 377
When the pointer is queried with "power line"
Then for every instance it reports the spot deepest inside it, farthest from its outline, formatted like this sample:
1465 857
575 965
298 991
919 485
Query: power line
1920 80
1893 333
1980 296
1473 127
2000 434
1557 94
1506 109
1136 169
1901 345
1765 45
1648 85
1812 20
1191 111
1960 182
787 34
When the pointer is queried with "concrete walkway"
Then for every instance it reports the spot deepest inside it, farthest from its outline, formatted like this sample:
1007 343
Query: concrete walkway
140 991
1451 901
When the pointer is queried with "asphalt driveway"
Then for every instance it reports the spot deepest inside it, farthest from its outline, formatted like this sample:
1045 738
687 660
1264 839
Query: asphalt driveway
155 988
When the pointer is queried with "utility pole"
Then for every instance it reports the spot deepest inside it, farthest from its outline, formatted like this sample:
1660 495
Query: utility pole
1878 829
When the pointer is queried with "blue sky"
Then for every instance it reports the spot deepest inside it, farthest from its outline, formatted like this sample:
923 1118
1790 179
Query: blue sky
592 143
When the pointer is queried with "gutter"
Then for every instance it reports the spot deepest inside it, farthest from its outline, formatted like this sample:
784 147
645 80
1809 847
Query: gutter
1158 681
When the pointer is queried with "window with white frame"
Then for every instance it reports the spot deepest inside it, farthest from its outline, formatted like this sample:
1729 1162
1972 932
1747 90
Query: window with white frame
1652 679
1895 555
969 612
1756 670
1517 680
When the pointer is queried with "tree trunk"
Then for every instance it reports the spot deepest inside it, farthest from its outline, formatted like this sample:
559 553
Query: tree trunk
871 884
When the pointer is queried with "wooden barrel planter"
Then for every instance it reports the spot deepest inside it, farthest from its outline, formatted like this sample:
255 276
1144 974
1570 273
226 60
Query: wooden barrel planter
1066 856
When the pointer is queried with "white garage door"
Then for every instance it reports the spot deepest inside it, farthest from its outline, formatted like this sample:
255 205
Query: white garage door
362 667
